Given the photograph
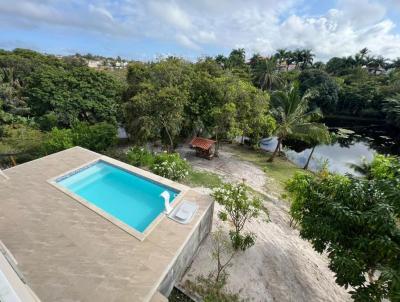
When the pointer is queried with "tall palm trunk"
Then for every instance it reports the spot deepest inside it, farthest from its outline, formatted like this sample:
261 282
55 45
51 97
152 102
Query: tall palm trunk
271 159
309 158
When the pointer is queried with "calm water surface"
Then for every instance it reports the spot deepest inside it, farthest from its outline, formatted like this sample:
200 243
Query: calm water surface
352 144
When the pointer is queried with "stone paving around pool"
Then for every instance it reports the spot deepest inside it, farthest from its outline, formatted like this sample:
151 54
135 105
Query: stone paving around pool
67 252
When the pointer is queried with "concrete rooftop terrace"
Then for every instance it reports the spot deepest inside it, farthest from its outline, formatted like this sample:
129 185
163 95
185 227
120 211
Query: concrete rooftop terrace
67 252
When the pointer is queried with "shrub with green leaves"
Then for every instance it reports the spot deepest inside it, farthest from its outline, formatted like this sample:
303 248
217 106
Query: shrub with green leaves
140 157
356 222
97 137
240 207
170 165
58 140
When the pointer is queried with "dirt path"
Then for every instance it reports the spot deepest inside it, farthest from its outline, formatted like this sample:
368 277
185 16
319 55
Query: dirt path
281 266
229 168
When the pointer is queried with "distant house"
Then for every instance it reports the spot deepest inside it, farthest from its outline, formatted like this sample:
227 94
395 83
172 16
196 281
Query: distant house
285 67
375 70
94 63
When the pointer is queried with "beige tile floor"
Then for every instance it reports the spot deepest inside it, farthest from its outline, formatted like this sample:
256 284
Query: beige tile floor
67 252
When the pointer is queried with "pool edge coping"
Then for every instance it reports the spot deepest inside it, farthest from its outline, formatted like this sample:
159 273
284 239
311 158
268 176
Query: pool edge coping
132 169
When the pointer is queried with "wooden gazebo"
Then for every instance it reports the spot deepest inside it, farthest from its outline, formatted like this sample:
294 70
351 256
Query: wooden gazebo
204 147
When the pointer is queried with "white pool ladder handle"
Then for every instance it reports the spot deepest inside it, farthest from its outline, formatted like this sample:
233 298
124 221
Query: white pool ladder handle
6 177
166 197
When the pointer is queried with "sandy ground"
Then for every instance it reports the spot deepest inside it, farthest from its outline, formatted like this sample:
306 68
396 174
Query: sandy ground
281 266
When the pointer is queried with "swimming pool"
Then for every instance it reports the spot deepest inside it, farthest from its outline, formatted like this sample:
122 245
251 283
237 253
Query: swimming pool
118 194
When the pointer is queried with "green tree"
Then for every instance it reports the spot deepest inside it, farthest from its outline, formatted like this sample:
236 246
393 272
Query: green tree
240 208
293 117
156 113
237 58
307 58
10 94
80 94
391 108
325 90
281 55
21 141
315 136
355 221
266 74
138 72
253 117
225 123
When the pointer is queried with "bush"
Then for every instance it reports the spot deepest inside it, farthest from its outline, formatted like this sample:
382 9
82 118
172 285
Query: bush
210 290
170 165
58 140
140 157
240 208
48 121
355 221
24 141
96 137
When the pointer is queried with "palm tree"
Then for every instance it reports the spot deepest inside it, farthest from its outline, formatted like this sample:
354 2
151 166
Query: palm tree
396 63
308 58
297 56
267 74
292 114
363 52
281 55
316 136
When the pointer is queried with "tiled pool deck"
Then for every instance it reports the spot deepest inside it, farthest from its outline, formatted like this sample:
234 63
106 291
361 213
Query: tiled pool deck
67 252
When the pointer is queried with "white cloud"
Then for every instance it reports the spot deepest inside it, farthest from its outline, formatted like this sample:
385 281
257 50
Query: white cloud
171 13
257 25
185 41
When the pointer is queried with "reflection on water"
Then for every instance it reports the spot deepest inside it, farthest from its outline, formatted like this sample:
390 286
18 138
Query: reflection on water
350 146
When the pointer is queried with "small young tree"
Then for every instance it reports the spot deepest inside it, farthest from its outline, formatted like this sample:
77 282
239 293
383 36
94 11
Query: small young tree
212 288
222 252
240 207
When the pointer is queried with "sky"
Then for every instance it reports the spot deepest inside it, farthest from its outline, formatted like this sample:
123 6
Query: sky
148 29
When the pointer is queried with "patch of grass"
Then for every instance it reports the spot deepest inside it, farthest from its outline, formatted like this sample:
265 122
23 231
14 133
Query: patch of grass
198 178
280 170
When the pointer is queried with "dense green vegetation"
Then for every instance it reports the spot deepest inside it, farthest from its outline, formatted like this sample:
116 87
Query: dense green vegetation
356 222
45 97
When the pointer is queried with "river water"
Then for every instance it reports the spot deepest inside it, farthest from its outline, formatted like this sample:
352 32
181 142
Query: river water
352 144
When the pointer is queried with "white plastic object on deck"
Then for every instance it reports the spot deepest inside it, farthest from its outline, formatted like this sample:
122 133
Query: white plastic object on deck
166 197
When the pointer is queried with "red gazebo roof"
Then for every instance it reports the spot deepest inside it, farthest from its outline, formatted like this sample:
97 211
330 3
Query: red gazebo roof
202 143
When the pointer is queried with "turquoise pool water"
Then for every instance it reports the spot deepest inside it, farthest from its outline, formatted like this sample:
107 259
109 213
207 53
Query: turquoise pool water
130 198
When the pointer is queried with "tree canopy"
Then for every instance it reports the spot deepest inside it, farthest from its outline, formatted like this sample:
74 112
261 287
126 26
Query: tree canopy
355 221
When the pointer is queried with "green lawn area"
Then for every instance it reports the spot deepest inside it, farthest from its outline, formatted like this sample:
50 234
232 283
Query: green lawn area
279 171
198 178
